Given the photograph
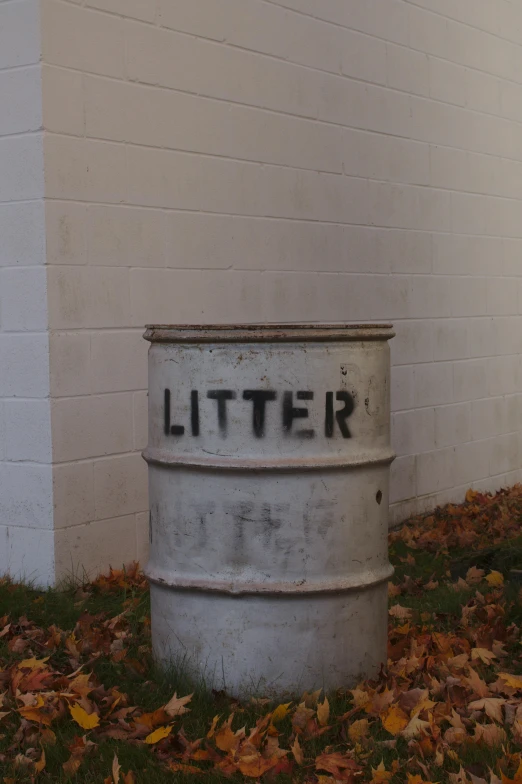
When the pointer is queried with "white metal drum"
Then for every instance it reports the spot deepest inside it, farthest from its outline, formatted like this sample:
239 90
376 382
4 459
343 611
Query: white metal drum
269 453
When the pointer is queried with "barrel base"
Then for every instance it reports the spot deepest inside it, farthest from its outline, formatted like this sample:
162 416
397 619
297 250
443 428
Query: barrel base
273 646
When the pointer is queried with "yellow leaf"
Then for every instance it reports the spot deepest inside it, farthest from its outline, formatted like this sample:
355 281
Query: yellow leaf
323 712
358 729
415 728
483 654
87 721
280 712
513 681
176 706
394 720
116 770
492 706
495 579
297 751
157 735
33 664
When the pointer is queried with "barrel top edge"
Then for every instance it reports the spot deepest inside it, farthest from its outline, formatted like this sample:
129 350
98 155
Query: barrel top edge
265 333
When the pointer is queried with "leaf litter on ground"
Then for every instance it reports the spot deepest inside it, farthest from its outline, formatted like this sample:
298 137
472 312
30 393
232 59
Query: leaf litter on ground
80 698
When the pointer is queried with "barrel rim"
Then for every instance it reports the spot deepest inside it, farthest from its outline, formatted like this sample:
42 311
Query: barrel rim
266 333
370 578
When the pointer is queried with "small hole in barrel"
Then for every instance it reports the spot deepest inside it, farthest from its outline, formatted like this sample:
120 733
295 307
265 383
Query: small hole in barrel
378 497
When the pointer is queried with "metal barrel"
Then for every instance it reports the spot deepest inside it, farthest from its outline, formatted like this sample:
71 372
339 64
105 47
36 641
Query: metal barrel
269 454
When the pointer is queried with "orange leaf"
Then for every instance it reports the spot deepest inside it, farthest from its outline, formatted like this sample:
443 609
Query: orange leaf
256 766
116 770
40 765
181 767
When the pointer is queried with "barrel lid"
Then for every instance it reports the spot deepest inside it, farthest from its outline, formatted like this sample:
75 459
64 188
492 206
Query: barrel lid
266 333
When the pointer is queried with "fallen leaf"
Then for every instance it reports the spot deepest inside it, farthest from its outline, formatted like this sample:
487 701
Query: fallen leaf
490 734
297 751
87 721
495 579
176 706
358 730
40 765
483 654
181 767
116 770
280 712
416 727
513 681
157 735
397 611
394 720
380 774
492 706
323 712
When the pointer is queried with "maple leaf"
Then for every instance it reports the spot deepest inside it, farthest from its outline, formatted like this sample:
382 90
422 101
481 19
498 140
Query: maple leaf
458 778
87 721
360 697
414 728
323 712
297 751
255 766
33 664
492 706
495 579
358 730
280 712
397 611
490 734
483 654
225 739
176 706
335 762
455 735
479 687
181 767
157 735
513 681
380 774
474 575
394 720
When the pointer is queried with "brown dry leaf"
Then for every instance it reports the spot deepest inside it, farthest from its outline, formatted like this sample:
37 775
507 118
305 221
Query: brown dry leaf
474 575
360 698
492 706
255 765
297 751
394 720
454 736
517 732
335 762
483 654
323 712
358 730
157 735
176 706
129 778
87 721
301 716
72 765
479 687
458 778
181 767
490 734
397 611
381 701
116 770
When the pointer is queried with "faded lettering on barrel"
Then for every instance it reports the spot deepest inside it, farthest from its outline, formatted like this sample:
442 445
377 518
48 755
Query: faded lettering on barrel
259 399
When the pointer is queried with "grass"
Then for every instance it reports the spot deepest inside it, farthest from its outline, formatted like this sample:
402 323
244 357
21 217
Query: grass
144 685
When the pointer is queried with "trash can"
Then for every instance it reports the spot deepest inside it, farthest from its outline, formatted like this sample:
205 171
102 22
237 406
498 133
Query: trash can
269 454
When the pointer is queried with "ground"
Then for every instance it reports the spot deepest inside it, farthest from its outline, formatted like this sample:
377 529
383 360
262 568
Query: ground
80 698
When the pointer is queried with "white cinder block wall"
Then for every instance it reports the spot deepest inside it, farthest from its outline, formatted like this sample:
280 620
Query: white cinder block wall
26 509
250 160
